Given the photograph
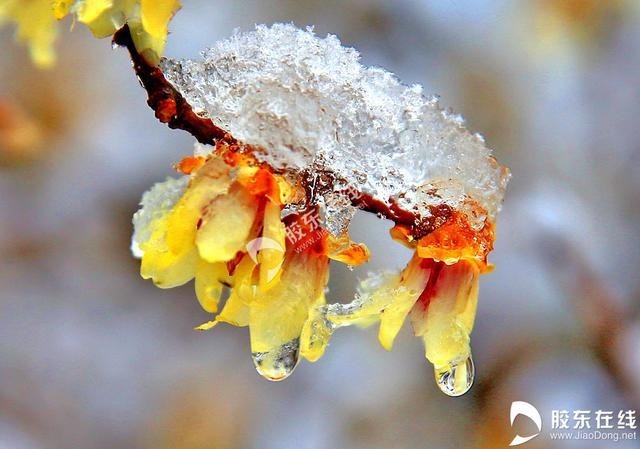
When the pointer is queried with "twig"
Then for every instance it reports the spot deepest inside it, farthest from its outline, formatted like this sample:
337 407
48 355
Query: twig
169 105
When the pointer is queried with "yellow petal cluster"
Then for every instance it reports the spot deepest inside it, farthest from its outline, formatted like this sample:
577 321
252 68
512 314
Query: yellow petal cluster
227 230
36 26
440 299
437 290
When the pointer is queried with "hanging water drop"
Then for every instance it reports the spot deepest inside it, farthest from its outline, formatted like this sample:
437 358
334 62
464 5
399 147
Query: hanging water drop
278 364
455 379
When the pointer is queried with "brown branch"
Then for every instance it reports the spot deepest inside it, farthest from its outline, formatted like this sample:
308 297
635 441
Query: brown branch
169 105
173 109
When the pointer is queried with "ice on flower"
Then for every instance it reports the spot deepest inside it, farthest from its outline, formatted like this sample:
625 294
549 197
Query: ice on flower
307 102
156 202
312 135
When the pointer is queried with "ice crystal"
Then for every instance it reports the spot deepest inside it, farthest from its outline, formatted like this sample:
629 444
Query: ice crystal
308 102
156 202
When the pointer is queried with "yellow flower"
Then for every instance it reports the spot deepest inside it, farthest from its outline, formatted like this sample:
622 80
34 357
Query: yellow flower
36 22
569 27
225 229
438 290
35 26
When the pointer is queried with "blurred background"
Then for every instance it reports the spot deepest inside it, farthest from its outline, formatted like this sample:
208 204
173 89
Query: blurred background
92 356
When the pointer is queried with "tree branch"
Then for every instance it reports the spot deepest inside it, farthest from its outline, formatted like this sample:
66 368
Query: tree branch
169 105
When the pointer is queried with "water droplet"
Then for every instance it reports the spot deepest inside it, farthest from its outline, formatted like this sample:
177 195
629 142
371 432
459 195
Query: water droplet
455 379
278 364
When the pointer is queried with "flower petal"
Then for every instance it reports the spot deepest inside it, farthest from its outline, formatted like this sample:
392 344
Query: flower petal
36 26
236 309
278 315
446 321
167 268
384 297
157 202
208 183
90 10
403 297
61 8
226 225
104 17
272 249
149 32
156 14
234 312
342 249
209 278
169 255
375 293
458 240
206 326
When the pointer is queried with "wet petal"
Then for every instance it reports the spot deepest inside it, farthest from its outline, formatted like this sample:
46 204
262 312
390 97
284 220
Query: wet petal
104 17
458 240
236 309
272 246
207 184
61 8
165 267
446 321
156 14
374 294
206 326
156 203
384 297
149 32
403 297
278 315
209 278
90 10
226 225
342 249
234 312
169 254
36 26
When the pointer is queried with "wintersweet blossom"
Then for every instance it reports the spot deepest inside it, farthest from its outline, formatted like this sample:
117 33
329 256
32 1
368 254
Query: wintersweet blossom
299 136
36 22
222 224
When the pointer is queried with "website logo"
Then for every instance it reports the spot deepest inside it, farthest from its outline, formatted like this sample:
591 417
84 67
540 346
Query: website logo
521 408
256 245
